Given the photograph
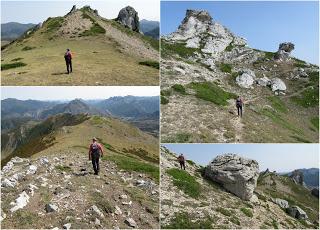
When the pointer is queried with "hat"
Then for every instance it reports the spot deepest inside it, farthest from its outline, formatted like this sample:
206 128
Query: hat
95 139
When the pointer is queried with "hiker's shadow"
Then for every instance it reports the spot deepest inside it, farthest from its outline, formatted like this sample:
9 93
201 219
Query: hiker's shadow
59 73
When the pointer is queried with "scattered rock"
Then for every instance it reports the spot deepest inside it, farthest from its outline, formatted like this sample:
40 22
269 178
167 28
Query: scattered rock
282 203
32 169
130 222
246 79
278 85
129 18
67 226
51 208
297 213
97 222
44 160
123 196
117 210
2 216
238 175
264 81
95 209
20 202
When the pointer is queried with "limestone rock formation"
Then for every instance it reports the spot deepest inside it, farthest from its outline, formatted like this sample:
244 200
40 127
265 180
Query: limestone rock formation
238 175
284 51
278 85
297 177
129 18
246 79
297 212
282 203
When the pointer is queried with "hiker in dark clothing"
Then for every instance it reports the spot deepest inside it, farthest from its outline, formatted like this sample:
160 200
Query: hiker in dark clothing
95 151
182 161
68 58
239 104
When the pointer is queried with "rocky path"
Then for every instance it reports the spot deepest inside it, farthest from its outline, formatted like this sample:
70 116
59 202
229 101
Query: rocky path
64 191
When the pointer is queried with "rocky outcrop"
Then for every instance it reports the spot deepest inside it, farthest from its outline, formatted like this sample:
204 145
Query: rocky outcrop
284 51
282 203
264 81
246 79
73 9
129 18
277 85
297 177
297 213
236 174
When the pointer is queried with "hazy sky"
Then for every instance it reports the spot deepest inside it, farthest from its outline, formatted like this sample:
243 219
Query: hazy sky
265 24
72 92
278 157
38 11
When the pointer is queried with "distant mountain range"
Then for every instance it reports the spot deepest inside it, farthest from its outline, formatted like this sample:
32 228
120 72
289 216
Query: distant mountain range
150 28
13 30
141 111
310 176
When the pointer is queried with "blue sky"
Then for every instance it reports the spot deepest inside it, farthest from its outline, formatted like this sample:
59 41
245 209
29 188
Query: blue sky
278 157
264 24
71 92
38 11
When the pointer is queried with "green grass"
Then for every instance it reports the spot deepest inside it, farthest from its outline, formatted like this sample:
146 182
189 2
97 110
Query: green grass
247 212
180 138
224 211
165 92
177 48
191 162
153 64
132 164
315 122
269 55
95 29
299 63
25 217
276 118
102 203
314 77
164 100
229 47
54 23
234 219
63 168
278 104
226 68
275 224
308 98
183 220
26 48
211 92
179 88
185 182
12 65
17 59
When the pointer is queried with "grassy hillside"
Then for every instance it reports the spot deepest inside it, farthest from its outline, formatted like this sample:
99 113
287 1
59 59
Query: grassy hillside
104 53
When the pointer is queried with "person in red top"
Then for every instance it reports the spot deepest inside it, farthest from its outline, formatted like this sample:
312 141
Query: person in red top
68 59
95 151
182 161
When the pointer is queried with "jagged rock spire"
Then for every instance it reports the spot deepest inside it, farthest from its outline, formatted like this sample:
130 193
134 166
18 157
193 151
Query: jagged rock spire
128 17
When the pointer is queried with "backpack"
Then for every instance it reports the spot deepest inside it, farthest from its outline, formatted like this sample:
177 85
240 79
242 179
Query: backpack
95 148
239 102
181 158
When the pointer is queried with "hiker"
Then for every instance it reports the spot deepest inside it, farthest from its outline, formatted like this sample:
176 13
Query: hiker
182 161
239 104
95 151
68 58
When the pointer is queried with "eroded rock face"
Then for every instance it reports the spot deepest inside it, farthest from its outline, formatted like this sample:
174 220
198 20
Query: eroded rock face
129 18
238 175
282 203
278 85
297 213
284 51
246 79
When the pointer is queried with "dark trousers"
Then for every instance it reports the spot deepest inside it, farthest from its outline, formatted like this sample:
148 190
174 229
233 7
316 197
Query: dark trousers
69 66
182 165
239 107
95 162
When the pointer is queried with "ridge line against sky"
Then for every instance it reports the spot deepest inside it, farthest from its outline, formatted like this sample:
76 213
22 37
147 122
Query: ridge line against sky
264 24
53 93
272 156
24 11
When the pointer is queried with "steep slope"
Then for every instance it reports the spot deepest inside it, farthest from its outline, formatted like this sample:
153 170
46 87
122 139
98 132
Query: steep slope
205 67
57 182
189 200
105 52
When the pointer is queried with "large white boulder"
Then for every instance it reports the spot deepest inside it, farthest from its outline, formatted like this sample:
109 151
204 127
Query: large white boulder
20 202
236 174
278 85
